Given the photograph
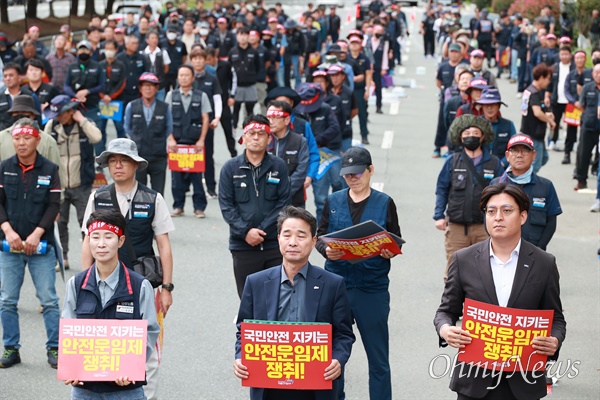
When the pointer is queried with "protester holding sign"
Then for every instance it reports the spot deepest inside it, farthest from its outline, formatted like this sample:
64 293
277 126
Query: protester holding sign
147 217
190 109
367 281
297 291
109 290
506 271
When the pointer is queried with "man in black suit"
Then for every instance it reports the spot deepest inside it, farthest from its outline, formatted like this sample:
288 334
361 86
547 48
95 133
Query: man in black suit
506 271
297 291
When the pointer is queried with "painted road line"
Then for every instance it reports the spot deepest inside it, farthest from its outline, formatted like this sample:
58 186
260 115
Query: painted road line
388 138
394 108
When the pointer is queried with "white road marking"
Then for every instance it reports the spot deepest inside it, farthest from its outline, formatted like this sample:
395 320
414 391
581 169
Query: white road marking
394 108
377 186
388 138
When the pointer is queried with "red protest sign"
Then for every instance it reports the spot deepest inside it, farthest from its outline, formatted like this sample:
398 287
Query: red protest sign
286 356
502 336
363 241
186 160
102 349
572 115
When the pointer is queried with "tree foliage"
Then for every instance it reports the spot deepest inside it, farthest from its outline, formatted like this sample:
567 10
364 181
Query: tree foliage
531 8
583 13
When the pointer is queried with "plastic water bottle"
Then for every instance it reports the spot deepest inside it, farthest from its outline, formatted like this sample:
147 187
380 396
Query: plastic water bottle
41 248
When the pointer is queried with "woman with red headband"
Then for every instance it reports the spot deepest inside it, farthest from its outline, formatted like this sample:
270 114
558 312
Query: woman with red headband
100 291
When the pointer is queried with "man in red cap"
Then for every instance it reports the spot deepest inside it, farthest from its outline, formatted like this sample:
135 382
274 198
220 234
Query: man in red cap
148 122
476 64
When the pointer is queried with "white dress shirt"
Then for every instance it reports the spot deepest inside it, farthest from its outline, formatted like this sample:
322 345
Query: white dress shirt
504 273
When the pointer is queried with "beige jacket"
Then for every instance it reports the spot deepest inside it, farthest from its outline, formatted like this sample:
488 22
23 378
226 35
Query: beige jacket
70 150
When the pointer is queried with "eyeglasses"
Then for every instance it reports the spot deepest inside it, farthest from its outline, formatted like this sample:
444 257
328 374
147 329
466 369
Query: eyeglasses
522 150
125 161
260 134
493 211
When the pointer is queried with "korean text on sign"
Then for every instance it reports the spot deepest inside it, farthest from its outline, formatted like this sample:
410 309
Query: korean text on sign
102 350
286 356
502 336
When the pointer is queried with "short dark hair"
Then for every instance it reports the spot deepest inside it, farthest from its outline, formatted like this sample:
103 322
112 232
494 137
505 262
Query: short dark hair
111 216
111 41
211 51
285 106
541 71
510 189
36 63
94 28
243 30
198 52
152 32
299 213
12 65
261 119
565 48
28 43
187 66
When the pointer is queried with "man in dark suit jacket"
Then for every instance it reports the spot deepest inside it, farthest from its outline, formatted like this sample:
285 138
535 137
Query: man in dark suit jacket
484 272
320 295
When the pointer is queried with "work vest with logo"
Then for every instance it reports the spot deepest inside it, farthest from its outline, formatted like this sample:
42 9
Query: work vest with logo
151 139
187 126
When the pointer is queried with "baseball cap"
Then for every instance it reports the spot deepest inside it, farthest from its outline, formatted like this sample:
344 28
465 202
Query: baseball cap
355 160
455 47
521 140
273 19
478 53
550 36
86 44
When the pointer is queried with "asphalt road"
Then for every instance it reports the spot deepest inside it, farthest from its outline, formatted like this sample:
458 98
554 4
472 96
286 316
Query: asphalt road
200 335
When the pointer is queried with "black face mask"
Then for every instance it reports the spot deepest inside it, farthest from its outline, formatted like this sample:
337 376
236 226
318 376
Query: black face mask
378 35
84 57
471 142
17 117
595 61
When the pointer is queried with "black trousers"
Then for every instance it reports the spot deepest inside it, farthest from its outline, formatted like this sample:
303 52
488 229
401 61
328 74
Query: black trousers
429 43
247 262
441 131
558 110
501 392
209 151
588 139
157 170
228 128
378 84
238 106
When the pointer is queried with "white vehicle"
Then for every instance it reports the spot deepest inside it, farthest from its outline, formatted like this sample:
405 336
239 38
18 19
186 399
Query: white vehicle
122 8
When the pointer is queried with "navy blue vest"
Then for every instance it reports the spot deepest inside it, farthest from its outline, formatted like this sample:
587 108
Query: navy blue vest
151 139
187 125
370 275
501 137
89 306
139 223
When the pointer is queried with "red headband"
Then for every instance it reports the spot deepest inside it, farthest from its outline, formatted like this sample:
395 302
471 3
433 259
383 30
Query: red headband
256 125
580 51
277 113
26 131
101 225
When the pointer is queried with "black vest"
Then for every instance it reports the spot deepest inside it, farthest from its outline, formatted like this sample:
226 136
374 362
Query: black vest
86 78
89 306
25 206
6 120
151 139
139 220
293 142
589 118
187 126
208 84
158 68
465 192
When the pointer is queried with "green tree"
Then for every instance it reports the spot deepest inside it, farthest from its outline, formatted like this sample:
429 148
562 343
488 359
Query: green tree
583 14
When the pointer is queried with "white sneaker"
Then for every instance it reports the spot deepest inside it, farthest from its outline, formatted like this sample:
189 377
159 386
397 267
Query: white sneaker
596 206
519 95
550 145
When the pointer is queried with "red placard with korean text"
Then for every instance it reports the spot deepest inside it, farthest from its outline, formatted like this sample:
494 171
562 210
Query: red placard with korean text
502 336
572 115
286 356
102 349
186 160
363 241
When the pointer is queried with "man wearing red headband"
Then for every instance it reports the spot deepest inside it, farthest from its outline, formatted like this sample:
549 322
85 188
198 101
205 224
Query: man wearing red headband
292 147
253 188
29 204
109 290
